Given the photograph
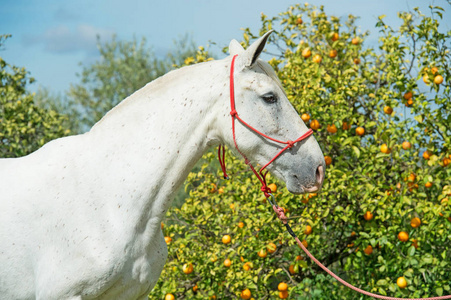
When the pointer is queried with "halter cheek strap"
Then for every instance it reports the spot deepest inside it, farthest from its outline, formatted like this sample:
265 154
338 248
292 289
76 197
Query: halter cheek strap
234 114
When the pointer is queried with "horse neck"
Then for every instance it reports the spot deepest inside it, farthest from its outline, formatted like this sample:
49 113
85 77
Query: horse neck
151 141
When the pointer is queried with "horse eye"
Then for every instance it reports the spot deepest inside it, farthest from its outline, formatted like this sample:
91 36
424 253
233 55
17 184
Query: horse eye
270 98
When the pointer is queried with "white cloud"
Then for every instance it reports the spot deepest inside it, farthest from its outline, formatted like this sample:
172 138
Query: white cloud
62 39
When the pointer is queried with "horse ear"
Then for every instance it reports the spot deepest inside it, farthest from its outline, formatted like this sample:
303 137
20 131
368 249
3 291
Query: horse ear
250 56
235 48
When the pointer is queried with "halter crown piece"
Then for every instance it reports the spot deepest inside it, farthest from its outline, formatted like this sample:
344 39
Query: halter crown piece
234 114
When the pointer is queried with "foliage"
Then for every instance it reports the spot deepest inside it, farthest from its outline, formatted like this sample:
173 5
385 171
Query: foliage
24 127
347 89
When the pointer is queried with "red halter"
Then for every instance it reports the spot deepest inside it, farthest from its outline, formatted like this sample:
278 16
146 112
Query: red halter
260 175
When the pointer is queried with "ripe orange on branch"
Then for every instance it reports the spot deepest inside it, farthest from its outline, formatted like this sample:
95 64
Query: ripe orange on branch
438 79
368 250
314 124
368 216
403 236
283 294
227 262
305 117
332 128
317 58
188 268
328 160
333 53
406 145
226 239
415 222
306 53
385 149
335 36
246 294
308 230
401 282
282 286
408 95
360 131
388 110
271 247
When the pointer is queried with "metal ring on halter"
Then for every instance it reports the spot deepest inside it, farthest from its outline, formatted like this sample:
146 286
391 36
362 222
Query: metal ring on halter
273 202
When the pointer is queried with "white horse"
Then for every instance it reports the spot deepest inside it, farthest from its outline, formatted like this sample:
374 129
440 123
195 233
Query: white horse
80 217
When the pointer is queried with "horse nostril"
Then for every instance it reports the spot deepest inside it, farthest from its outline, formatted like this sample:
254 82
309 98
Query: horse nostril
319 175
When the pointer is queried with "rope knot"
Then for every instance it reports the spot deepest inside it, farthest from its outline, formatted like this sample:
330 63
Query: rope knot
280 211
290 144
233 113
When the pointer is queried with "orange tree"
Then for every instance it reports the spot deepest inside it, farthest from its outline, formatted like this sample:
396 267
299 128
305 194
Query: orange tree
382 220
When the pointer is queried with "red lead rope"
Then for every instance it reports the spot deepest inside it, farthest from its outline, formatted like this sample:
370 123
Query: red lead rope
267 191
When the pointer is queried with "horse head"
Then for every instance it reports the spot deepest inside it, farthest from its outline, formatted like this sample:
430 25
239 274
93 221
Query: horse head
261 102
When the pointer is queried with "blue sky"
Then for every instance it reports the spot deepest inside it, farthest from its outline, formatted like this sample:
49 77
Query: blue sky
51 38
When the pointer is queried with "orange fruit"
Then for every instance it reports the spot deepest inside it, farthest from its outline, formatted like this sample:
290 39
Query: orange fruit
314 124
355 41
409 102
162 225
401 282
305 117
271 247
262 253
415 243
304 243
246 294
328 160
232 206
273 187
438 79
446 161
291 269
426 79
169 297
212 188
308 230
298 257
226 239
385 149
283 294
428 184
408 95
168 239
227 262
317 58
195 288
412 177
368 250
368 216
434 70
353 233
406 145
360 131
427 154
247 266
221 190
332 128
388 110
346 126
299 21
282 286
213 258
357 61
240 224
333 53
415 222
403 236
188 268
306 53
335 36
